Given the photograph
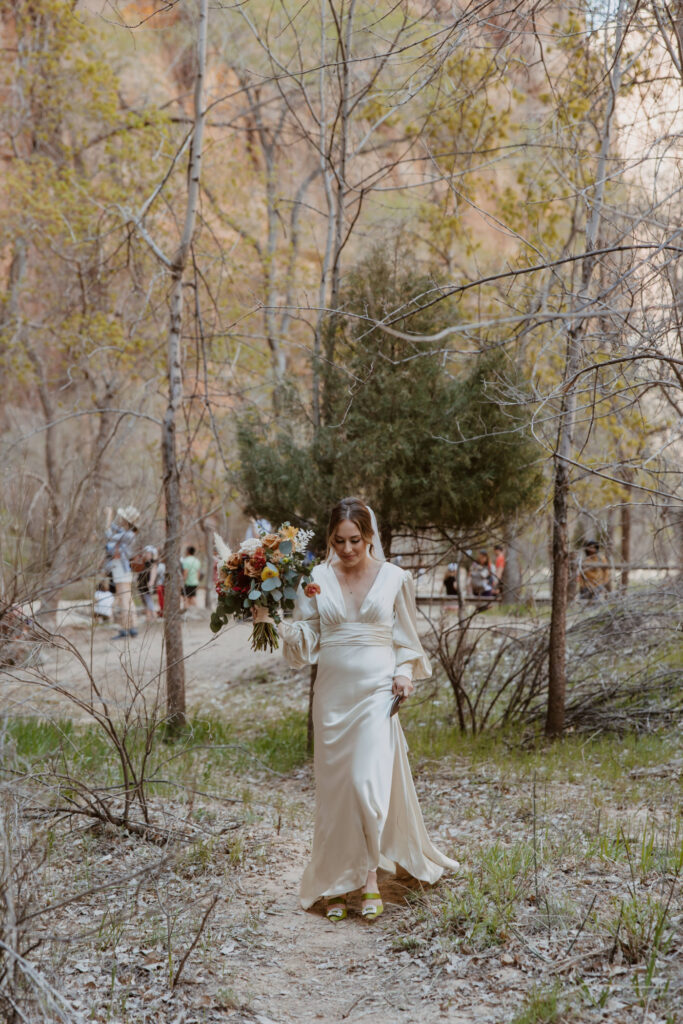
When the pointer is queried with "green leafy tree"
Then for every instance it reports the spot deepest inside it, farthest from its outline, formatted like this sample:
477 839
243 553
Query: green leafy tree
429 446
76 316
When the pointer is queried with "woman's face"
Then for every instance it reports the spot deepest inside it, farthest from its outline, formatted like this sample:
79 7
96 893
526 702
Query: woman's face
348 544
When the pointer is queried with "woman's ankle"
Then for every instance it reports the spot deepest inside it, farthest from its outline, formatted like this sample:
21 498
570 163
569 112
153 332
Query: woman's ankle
371 882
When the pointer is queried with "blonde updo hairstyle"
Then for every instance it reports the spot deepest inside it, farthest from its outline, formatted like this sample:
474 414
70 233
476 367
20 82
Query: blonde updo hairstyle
357 512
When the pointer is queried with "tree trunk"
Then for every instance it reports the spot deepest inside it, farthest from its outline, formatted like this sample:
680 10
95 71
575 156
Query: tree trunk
625 517
557 669
582 302
173 637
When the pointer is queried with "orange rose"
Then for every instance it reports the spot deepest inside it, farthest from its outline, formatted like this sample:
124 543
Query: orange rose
311 589
234 561
254 565
270 541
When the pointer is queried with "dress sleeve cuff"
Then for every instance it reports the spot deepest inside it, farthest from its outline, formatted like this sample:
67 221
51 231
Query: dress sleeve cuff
288 632
405 670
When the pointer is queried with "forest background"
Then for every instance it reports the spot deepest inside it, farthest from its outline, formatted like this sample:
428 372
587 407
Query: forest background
254 257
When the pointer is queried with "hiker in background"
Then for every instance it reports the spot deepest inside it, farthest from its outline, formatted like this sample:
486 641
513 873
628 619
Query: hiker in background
103 601
258 527
450 580
498 568
593 573
160 579
146 569
119 538
191 567
480 575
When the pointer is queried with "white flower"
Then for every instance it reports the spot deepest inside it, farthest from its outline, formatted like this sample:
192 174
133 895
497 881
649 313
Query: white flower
250 546
302 540
222 549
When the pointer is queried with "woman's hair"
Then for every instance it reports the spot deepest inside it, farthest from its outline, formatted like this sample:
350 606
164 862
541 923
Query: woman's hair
357 512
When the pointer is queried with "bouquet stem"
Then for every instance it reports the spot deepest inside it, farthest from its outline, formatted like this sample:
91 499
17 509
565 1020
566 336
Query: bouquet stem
264 637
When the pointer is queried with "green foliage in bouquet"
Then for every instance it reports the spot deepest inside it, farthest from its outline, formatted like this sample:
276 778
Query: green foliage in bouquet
264 573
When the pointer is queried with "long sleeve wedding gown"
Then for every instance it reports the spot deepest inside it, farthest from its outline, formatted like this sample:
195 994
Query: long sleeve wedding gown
367 814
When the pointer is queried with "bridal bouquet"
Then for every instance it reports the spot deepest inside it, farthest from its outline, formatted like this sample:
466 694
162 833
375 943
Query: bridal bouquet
265 573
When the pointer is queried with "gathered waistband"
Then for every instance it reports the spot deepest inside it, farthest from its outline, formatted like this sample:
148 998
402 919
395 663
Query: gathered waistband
371 634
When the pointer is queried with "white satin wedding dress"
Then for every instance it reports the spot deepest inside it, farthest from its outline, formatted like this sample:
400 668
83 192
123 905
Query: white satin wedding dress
367 814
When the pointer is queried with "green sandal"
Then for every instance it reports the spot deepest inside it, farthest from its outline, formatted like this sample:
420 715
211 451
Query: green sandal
336 909
371 913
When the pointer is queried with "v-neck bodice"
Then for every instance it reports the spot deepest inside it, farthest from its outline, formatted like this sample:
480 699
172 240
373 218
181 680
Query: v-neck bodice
368 593
376 606
387 615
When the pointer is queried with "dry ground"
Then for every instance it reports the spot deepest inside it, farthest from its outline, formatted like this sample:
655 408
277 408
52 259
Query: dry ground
568 858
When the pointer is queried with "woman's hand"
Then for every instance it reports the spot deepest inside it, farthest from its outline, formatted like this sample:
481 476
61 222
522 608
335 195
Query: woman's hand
260 614
402 685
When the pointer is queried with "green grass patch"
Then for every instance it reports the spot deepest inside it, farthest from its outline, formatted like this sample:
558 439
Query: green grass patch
282 744
34 738
36 741
86 752
477 911
432 735
543 1005
278 744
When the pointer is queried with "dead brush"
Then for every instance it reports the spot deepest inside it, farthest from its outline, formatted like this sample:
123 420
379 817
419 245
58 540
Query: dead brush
27 920
624 666
495 675
21 857
130 732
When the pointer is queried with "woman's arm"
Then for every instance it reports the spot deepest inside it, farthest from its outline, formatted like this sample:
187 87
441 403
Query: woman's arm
411 660
301 637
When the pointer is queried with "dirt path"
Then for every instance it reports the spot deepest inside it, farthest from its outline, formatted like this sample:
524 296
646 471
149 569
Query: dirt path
213 664
306 969
263 959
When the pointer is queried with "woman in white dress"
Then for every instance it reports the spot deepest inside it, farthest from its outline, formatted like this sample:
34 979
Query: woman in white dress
361 630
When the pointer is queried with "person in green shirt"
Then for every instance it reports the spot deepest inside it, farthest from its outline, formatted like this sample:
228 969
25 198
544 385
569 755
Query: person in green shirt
191 567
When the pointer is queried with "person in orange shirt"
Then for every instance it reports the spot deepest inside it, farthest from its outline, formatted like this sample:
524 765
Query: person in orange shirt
498 567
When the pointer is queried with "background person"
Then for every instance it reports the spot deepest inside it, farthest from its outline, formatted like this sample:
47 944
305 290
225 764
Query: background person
258 527
481 576
161 577
103 601
498 567
146 580
119 538
593 573
450 580
191 567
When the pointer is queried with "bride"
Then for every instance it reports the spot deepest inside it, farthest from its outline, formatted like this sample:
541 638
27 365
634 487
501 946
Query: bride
359 625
